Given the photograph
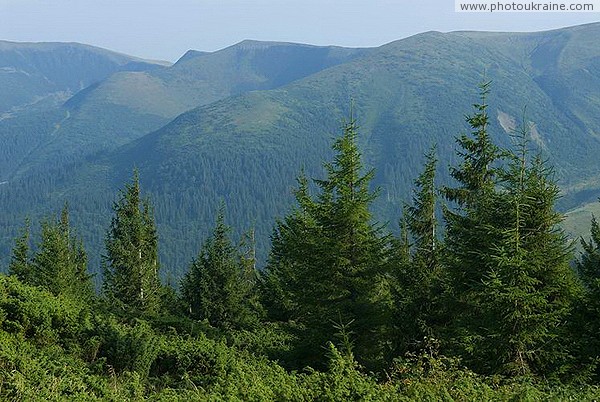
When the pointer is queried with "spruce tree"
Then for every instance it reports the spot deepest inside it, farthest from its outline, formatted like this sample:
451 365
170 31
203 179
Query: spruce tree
529 283
294 236
327 257
477 173
421 218
20 264
59 264
219 284
508 260
421 278
250 274
131 263
588 264
469 223
588 330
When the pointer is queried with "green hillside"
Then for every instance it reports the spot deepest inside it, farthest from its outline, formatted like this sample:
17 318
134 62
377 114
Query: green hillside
36 79
200 78
247 148
30 72
491 309
129 104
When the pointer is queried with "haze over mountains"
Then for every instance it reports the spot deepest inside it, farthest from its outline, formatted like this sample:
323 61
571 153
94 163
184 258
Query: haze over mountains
238 125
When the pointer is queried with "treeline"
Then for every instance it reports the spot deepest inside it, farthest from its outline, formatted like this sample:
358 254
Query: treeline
481 301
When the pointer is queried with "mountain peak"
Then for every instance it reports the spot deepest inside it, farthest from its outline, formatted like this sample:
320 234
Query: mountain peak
191 54
251 44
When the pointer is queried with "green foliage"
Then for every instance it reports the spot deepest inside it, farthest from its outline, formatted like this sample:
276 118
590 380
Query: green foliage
219 286
427 377
20 259
34 314
421 219
476 173
589 261
332 274
529 282
29 372
417 267
131 264
588 322
327 259
512 284
59 263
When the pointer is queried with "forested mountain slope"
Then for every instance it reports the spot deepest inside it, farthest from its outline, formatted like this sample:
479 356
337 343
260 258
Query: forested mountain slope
247 148
36 79
128 104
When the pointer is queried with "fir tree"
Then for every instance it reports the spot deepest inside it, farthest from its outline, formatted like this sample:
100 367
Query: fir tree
588 329
20 264
219 284
530 285
250 274
294 236
588 264
468 226
60 262
131 262
509 262
327 256
421 218
477 172
421 276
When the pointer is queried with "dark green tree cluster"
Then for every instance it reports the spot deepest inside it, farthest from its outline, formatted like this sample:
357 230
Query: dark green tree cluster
588 323
219 286
59 263
512 285
419 278
495 288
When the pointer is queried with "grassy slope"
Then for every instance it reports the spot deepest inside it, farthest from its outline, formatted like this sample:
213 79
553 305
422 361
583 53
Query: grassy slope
36 78
577 221
31 71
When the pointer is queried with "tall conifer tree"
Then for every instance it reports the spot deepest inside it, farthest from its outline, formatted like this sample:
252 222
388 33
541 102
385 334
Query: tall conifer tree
131 262
530 284
469 235
20 264
509 262
588 330
327 256
421 277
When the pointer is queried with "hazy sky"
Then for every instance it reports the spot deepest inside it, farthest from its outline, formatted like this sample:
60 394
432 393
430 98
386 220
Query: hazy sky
165 29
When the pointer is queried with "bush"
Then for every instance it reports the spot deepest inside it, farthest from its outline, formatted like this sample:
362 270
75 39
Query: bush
38 315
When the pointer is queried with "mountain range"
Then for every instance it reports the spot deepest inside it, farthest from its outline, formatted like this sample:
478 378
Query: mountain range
238 125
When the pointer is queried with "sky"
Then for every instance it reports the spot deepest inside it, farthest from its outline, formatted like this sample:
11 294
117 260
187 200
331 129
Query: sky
166 29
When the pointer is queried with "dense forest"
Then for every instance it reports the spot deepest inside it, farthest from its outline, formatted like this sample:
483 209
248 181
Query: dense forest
480 296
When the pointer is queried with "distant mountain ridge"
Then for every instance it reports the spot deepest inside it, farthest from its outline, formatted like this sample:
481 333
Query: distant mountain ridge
30 71
239 124
128 104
